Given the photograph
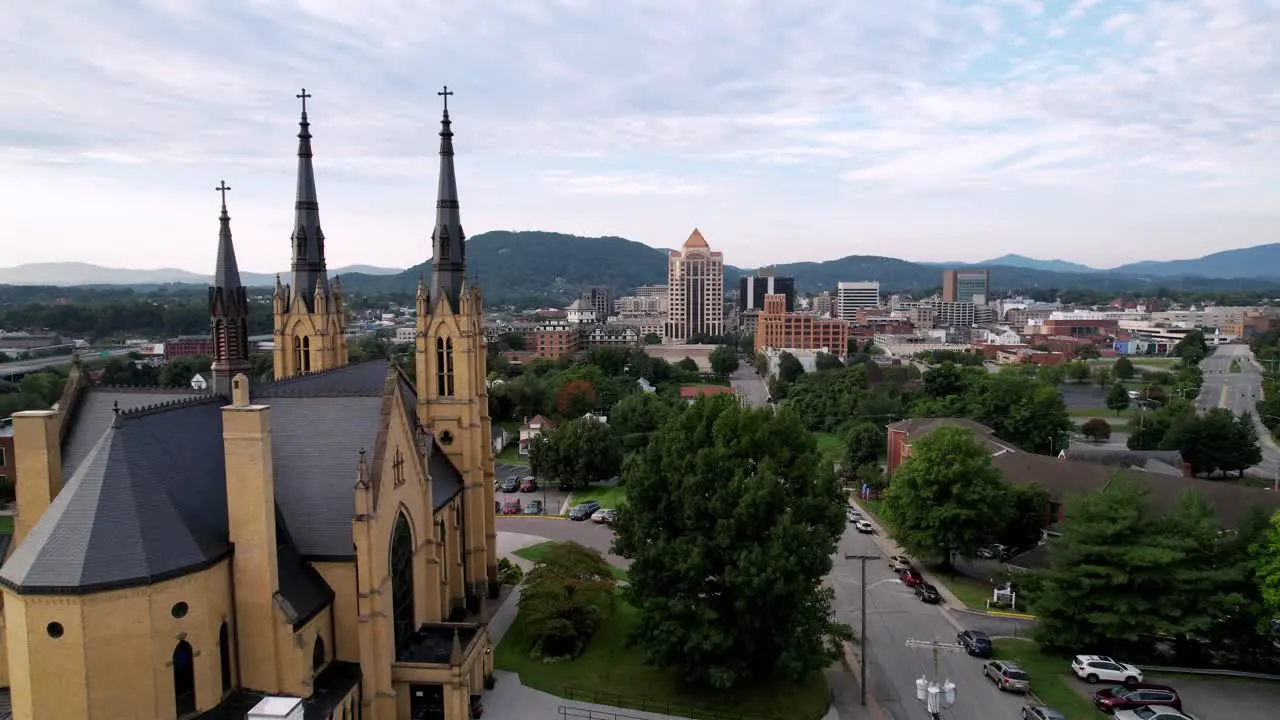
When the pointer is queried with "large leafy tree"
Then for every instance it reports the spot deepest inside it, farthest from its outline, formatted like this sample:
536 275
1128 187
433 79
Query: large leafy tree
862 445
1123 369
1266 554
577 453
789 367
1117 398
636 416
1120 577
946 379
947 497
1216 440
1029 511
730 525
724 360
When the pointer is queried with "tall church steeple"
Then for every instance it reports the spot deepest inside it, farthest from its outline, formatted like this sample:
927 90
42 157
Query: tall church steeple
309 273
448 247
228 310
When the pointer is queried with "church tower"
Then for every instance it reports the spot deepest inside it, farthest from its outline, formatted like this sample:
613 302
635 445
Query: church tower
453 401
228 310
309 316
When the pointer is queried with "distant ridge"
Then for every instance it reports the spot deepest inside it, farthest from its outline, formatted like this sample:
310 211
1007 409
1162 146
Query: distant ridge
78 273
513 266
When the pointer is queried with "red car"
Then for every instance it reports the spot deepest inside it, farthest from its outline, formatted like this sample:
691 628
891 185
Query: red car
528 485
1138 695
512 507
910 578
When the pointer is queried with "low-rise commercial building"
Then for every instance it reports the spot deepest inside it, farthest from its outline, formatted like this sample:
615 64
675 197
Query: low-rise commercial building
777 328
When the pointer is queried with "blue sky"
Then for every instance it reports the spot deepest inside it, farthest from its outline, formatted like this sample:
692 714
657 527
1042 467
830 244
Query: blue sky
1100 131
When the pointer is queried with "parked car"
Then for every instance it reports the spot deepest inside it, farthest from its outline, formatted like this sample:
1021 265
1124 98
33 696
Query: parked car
900 563
1041 712
976 643
510 485
533 507
854 515
1094 668
605 515
990 552
529 484
1111 699
583 510
1007 676
512 507
928 594
910 578
863 527
1152 712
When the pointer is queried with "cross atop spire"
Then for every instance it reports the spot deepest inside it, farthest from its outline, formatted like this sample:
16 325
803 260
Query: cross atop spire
444 94
223 187
303 95
448 248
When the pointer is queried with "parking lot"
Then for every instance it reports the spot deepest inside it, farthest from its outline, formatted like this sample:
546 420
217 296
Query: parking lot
1208 697
552 497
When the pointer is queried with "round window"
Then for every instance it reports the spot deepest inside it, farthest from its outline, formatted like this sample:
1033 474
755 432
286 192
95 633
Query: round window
179 610
55 630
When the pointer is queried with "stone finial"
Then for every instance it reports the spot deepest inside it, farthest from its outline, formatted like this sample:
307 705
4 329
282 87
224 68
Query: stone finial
455 654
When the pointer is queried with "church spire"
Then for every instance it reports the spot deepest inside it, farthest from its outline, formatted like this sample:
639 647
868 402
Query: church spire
228 310
448 248
309 273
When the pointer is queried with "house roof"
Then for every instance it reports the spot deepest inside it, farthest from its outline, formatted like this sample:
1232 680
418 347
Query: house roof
695 391
537 421
1121 457
916 428
144 493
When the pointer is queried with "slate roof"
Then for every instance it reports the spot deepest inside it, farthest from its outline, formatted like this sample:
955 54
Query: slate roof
144 491
146 503
1121 457
916 428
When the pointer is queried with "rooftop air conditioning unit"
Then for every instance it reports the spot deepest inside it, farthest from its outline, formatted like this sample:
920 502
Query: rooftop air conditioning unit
276 708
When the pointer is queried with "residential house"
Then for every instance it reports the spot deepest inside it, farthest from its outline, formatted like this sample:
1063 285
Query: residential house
530 430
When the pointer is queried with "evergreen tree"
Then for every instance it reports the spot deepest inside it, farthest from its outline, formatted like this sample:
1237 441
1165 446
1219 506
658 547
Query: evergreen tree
1117 398
947 497
1123 369
730 525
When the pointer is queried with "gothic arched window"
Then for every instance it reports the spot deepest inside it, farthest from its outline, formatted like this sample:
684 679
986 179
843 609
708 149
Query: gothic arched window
297 354
224 657
444 367
306 354
402 581
184 679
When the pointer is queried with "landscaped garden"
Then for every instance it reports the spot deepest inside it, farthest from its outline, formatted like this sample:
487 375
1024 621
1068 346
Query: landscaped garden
612 672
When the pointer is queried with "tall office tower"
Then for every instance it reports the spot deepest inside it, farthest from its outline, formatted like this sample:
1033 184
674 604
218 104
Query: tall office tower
695 283
853 295
752 289
822 303
599 299
965 285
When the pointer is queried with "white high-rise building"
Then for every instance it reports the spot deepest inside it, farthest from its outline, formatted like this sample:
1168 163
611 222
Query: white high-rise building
695 287
850 296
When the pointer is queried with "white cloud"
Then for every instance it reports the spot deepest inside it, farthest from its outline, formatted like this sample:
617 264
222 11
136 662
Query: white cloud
619 184
993 92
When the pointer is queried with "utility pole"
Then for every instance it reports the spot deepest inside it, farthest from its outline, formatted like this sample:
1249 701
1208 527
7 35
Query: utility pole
936 696
862 635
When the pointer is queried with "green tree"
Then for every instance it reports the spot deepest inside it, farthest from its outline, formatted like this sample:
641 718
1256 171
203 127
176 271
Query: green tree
762 364
1051 374
636 416
577 453
1101 376
46 385
724 361
1096 429
688 364
1078 371
1214 441
945 379
564 599
1192 348
947 497
1028 516
1123 369
511 341
827 361
862 446
1117 398
1266 556
576 398
652 339
789 368
178 372
730 525
1120 577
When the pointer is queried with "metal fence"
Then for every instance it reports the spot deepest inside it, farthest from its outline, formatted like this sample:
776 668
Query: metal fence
644 704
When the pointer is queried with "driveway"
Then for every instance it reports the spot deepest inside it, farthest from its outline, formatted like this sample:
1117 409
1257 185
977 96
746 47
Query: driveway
593 535
746 383
1210 697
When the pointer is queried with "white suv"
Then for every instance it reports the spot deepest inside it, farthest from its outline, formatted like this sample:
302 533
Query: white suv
1093 668
1151 712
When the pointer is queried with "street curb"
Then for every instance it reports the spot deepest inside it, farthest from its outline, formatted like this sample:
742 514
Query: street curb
855 664
1018 616
531 517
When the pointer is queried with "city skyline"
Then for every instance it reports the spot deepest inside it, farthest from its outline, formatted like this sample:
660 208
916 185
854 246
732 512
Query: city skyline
1094 132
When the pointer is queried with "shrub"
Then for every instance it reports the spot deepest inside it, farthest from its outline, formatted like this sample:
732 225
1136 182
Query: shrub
1096 429
509 573
565 598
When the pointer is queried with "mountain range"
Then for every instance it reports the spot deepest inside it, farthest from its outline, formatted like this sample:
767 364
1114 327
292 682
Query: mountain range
553 266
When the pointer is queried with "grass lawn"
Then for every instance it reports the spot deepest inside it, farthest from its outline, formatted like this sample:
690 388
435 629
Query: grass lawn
1104 413
618 674
534 553
1051 678
612 496
830 447
972 592
6 524
1234 367
1164 363
510 455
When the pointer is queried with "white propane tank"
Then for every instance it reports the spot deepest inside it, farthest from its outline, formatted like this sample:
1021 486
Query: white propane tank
935 699
948 693
922 688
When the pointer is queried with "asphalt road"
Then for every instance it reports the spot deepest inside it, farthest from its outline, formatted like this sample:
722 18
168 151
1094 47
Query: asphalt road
745 382
894 615
1238 392
26 366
